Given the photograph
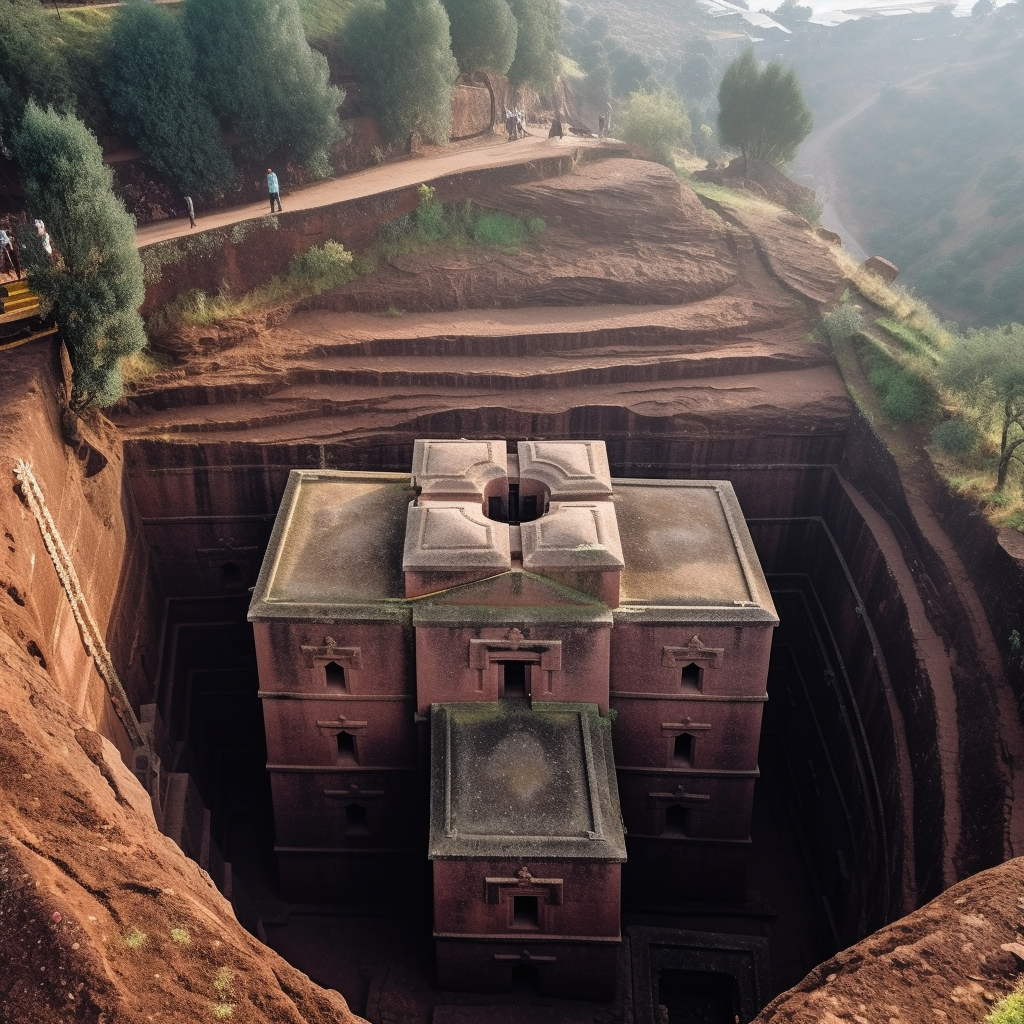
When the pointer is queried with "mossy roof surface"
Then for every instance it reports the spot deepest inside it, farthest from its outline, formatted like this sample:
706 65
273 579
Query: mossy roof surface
336 548
685 545
509 779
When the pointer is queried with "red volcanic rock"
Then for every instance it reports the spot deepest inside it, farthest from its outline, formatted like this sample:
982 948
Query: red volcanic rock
945 962
887 271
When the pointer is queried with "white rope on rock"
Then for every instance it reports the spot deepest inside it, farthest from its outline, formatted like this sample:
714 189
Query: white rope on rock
92 638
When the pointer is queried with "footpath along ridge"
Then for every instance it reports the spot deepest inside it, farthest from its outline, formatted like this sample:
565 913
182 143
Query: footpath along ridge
491 151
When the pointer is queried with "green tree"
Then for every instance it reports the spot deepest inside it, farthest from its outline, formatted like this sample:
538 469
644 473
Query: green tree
696 77
483 34
401 50
94 283
791 13
149 81
31 66
540 27
656 120
987 369
259 75
763 114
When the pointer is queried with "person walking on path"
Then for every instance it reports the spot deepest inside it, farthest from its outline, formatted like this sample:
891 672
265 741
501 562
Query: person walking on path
274 189
8 256
192 212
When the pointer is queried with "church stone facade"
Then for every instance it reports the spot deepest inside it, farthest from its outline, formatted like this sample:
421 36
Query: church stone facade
559 667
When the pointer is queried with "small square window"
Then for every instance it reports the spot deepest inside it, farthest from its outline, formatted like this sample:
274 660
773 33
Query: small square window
526 912
678 821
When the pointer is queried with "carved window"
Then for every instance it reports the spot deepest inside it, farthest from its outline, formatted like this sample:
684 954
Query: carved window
346 748
678 821
682 749
526 912
334 675
692 676
357 820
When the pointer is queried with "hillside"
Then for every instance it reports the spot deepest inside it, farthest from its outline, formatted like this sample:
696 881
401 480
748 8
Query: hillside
933 177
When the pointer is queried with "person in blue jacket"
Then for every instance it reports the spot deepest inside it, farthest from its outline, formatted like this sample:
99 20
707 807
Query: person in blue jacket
274 189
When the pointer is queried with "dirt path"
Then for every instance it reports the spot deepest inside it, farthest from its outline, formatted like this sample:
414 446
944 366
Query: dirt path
490 151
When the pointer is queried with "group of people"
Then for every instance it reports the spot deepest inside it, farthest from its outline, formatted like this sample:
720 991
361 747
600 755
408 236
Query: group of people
10 257
515 124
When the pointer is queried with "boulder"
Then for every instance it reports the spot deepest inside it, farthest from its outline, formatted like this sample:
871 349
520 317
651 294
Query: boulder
887 271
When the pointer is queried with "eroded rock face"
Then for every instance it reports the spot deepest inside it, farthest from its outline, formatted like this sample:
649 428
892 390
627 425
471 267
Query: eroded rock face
102 918
621 231
943 962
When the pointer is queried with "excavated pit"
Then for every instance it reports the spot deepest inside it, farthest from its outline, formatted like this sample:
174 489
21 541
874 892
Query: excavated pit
863 809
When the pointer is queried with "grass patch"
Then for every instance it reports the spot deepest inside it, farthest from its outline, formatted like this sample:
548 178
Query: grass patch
905 397
310 273
133 938
909 338
328 266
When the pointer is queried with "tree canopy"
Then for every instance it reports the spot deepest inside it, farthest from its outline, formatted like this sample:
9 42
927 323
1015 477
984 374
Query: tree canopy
763 114
540 26
150 83
94 283
483 34
987 367
260 75
656 120
31 66
401 50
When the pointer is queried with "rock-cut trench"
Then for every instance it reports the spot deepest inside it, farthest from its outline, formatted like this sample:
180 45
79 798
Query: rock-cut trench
886 752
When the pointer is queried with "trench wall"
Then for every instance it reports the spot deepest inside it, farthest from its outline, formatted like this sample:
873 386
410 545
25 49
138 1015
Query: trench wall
210 506
101 528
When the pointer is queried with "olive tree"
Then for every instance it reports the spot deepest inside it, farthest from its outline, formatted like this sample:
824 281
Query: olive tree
94 283
987 368
261 77
150 84
483 34
656 120
402 52
762 113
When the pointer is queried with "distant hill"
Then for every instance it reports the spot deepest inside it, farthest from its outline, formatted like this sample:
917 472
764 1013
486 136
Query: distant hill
934 180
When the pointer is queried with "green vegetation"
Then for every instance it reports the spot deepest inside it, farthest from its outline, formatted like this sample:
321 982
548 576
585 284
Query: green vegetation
762 113
483 34
134 938
843 323
324 19
957 437
328 266
94 283
259 74
33 65
985 370
906 396
1009 1010
401 50
310 273
150 83
656 120
536 61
